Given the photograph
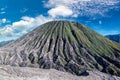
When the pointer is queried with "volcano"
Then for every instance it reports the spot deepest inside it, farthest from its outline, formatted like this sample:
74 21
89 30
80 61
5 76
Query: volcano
65 46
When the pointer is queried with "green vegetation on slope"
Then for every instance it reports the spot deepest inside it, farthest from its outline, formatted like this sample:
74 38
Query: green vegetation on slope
66 46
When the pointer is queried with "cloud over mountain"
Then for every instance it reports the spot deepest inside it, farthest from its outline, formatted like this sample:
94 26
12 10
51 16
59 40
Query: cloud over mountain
83 7
23 26
60 11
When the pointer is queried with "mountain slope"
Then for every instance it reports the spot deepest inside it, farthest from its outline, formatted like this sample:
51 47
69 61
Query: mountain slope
115 38
66 46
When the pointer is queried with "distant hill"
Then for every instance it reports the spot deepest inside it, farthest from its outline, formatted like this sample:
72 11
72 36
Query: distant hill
4 43
115 38
65 46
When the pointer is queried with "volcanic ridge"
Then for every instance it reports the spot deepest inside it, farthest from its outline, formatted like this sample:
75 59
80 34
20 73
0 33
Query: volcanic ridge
65 46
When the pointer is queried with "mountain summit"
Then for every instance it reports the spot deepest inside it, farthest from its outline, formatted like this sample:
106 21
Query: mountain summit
63 45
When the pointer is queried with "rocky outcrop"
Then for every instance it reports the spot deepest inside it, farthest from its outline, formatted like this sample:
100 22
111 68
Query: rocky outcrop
65 46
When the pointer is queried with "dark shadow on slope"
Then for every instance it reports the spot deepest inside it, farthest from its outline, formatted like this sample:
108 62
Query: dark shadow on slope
85 73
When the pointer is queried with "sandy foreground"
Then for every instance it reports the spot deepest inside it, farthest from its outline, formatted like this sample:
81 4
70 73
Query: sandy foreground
25 73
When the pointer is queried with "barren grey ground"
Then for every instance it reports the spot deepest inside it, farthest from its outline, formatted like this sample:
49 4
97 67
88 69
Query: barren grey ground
20 73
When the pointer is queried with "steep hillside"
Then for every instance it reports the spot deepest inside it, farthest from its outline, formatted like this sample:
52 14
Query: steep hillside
65 46
115 38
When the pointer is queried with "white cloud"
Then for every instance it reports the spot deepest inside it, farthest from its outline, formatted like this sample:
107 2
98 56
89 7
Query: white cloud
84 7
100 22
4 20
23 10
2 12
26 24
104 32
60 10
2 9
7 31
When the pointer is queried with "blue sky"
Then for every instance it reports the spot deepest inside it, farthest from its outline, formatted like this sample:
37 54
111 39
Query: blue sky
18 17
